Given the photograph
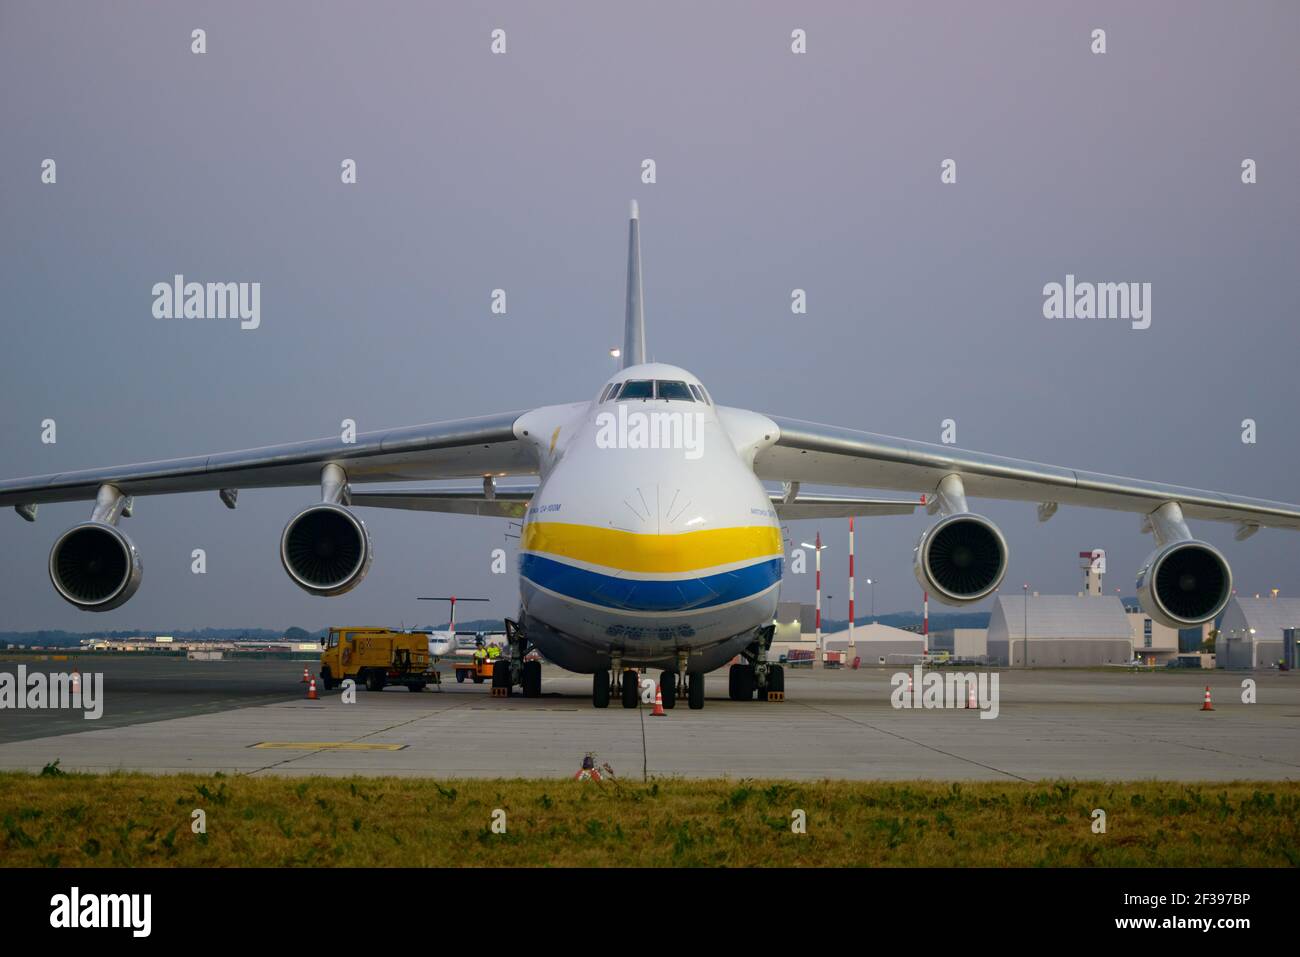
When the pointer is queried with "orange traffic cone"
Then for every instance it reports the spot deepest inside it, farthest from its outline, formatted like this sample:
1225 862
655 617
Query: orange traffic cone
1208 706
305 676
659 712
311 691
76 681
970 697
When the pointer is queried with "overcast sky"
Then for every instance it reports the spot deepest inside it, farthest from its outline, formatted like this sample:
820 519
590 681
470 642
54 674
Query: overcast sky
775 171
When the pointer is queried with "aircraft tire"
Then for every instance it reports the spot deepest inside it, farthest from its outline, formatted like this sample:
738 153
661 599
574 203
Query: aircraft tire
532 679
695 690
668 688
600 689
631 688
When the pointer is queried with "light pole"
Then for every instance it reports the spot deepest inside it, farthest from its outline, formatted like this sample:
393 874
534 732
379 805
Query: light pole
818 551
1026 650
852 645
872 583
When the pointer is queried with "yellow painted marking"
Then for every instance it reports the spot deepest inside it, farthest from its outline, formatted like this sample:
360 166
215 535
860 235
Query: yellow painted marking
634 552
327 746
555 435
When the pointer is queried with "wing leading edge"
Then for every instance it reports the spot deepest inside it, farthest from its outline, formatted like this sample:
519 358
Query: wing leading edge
458 448
829 455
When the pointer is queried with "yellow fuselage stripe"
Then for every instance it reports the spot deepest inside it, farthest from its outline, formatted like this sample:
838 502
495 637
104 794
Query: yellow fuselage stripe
634 552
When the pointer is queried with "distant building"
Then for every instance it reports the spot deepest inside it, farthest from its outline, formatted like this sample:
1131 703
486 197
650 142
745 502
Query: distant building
794 620
1250 633
877 644
960 642
1064 631
1152 640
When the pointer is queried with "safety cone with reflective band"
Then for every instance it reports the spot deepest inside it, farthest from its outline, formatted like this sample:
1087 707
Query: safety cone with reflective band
311 691
1208 706
76 681
659 711
970 697
305 676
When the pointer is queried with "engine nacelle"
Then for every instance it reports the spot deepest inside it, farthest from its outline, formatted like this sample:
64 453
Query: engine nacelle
1184 583
326 549
95 566
960 559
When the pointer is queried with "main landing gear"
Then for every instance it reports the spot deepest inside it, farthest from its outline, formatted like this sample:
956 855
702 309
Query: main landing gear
756 678
626 683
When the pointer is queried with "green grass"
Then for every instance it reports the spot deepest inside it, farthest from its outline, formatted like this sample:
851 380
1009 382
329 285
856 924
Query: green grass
57 819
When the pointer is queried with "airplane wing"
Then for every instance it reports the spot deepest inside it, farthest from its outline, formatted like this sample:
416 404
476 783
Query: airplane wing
829 455
493 502
793 506
457 448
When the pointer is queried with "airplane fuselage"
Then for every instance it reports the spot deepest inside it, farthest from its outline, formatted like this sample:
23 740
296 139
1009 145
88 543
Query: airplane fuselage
649 535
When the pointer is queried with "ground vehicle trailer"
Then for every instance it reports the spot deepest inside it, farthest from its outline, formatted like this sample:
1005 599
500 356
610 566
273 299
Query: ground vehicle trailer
479 669
377 657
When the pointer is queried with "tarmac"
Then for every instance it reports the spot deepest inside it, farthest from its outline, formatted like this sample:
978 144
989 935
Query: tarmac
170 715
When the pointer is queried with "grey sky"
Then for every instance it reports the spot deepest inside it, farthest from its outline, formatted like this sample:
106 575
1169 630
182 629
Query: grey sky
775 171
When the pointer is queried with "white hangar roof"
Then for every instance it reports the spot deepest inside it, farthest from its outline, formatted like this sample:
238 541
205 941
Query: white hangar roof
1059 616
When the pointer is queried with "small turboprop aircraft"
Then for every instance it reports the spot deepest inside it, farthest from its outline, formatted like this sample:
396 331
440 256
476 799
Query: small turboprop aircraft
649 539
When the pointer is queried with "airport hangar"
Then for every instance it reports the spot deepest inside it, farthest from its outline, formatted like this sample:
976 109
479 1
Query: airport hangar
1252 630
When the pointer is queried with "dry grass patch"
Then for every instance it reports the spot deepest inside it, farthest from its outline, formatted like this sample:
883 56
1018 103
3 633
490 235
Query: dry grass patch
141 820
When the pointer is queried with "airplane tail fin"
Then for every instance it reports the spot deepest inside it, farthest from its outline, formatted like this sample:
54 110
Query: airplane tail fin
634 319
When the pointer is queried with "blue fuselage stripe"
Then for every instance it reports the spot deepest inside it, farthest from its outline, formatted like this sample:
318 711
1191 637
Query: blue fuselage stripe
639 594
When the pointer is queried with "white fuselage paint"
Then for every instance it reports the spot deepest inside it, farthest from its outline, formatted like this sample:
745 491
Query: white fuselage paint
620 507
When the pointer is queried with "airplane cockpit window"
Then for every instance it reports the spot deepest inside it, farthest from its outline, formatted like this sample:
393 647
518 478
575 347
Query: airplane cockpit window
608 392
697 392
674 390
637 389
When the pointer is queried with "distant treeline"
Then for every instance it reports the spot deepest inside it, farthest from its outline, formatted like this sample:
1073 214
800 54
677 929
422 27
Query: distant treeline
73 638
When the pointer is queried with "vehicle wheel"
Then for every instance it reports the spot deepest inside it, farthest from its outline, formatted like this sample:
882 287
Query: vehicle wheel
326 681
374 681
745 682
501 676
417 686
532 679
478 679
695 691
600 689
776 678
668 688
631 688
460 677
740 682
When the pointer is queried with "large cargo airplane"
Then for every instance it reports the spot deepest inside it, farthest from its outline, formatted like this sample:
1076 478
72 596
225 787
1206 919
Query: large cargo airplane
649 539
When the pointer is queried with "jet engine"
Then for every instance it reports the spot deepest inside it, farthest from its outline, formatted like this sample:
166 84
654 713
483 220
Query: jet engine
95 566
326 549
1184 583
961 558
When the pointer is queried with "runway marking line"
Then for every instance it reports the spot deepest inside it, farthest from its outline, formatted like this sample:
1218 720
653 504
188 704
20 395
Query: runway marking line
326 746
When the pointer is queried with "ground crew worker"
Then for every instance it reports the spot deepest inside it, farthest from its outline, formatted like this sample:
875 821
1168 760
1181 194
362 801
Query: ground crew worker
494 652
